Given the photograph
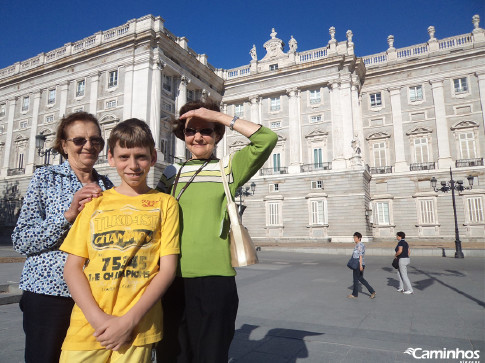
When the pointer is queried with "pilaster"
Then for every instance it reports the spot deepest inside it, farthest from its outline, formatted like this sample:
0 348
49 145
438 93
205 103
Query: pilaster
180 100
294 131
9 139
444 156
63 98
128 92
347 117
400 164
481 87
29 167
338 159
94 93
254 116
156 97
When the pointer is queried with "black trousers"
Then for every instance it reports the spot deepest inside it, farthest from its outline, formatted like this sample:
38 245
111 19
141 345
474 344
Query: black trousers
45 321
359 277
199 316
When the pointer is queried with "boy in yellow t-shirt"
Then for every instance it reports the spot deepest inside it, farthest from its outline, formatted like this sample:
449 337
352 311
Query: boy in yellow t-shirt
123 251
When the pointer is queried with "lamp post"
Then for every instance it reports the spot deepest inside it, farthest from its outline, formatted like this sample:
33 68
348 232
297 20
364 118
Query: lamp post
453 185
240 192
39 145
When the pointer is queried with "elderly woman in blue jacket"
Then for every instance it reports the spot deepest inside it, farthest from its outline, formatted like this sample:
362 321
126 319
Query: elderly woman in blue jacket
55 196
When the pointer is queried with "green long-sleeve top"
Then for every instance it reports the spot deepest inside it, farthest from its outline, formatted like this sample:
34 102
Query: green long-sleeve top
204 224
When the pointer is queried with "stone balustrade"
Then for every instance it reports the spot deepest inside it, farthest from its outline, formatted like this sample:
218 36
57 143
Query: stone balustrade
96 40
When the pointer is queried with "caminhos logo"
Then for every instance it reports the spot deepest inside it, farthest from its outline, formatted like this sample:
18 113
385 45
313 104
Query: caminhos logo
464 356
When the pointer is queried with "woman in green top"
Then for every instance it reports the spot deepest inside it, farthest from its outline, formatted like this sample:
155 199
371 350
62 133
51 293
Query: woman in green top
201 305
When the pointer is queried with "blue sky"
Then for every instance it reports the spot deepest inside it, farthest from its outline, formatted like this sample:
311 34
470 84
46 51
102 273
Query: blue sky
226 30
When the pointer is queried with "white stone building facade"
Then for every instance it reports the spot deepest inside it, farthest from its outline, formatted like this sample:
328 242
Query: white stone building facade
359 137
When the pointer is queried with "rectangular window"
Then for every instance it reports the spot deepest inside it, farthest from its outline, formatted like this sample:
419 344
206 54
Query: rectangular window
416 93
460 85
467 145
111 104
382 213
273 67
190 95
315 96
167 83
51 97
49 119
2 109
317 184
239 110
427 211
375 99
317 212
21 161
81 85
23 124
317 158
275 125
79 109
275 104
475 210
274 214
274 187
421 150
276 162
112 79
379 152
315 118
25 103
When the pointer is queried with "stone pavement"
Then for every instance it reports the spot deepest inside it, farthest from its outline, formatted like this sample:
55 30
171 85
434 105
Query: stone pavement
293 308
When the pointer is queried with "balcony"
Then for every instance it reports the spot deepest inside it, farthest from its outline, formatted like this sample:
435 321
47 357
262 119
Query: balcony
15 171
316 167
273 171
380 169
463 163
422 166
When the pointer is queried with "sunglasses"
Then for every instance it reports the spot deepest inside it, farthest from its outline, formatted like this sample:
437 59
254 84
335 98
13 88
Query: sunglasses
81 141
204 132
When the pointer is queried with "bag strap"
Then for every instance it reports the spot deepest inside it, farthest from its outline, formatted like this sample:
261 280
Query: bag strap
224 181
190 181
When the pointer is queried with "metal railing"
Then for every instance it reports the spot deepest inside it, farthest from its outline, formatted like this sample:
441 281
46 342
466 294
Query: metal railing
15 171
380 169
422 166
463 163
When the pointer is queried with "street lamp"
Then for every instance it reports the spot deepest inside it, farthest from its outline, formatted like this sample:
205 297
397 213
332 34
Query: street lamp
240 192
39 145
453 185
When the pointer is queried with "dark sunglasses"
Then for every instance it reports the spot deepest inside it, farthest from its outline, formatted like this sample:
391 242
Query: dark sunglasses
81 141
204 132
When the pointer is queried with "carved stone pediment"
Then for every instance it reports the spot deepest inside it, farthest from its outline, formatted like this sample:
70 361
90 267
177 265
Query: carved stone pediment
315 134
419 131
274 48
464 125
238 144
108 118
378 135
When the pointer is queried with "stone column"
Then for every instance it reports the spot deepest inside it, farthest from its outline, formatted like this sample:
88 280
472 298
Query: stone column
444 156
9 138
338 159
222 145
29 167
401 164
180 100
481 87
63 98
347 118
128 93
142 85
357 121
156 99
254 113
294 131
93 100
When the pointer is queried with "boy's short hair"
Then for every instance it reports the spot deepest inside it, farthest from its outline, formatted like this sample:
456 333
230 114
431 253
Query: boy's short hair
131 133
358 235
401 234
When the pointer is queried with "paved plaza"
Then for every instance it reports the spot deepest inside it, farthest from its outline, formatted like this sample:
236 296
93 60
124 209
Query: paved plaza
293 308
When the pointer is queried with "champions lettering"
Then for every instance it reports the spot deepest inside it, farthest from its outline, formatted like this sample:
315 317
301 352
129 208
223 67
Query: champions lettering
103 223
122 240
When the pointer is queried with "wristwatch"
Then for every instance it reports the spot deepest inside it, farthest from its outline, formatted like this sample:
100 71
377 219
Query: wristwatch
231 125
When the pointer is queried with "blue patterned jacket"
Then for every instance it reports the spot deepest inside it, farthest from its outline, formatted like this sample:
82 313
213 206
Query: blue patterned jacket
41 227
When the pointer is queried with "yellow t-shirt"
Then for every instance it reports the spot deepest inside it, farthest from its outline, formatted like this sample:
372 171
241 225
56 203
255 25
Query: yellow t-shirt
123 239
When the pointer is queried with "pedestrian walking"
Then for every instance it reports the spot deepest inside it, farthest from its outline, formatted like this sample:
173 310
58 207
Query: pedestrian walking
402 254
358 273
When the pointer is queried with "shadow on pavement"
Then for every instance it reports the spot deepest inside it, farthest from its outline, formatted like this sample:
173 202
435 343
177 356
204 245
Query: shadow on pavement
279 345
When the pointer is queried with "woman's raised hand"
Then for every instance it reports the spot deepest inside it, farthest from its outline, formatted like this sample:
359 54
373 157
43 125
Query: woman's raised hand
80 198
